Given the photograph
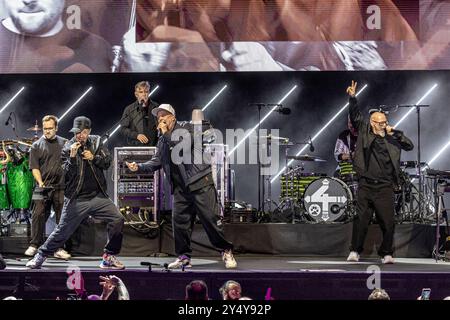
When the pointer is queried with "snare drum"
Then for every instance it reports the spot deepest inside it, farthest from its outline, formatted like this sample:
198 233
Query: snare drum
346 172
293 186
327 200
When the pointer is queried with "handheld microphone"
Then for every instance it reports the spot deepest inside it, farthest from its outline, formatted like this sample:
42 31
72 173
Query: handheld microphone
311 146
284 111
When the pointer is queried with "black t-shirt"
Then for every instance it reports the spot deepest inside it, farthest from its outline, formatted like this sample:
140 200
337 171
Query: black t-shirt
67 51
90 187
45 155
380 164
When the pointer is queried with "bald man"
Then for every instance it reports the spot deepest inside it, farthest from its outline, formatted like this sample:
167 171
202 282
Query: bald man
377 163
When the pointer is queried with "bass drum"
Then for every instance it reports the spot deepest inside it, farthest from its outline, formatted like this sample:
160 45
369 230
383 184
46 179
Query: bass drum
20 184
328 200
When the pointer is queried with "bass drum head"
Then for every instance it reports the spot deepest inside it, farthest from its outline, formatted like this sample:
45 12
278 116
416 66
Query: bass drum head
326 200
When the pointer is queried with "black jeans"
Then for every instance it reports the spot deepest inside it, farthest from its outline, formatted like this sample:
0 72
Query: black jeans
74 212
186 205
381 199
41 213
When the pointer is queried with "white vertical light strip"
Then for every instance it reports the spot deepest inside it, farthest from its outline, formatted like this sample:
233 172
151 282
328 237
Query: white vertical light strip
262 120
118 126
75 103
439 153
418 102
12 99
318 134
214 98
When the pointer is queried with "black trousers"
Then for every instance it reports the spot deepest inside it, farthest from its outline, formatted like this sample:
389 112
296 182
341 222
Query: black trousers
381 200
74 212
41 213
186 205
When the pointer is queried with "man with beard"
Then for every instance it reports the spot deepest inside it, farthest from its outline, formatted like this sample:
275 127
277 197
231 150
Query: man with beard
34 40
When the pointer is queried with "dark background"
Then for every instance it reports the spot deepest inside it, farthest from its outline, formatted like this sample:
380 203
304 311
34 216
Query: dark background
318 97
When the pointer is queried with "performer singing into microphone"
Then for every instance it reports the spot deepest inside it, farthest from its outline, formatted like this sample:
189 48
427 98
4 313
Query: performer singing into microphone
377 163
84 160
137 123
192 186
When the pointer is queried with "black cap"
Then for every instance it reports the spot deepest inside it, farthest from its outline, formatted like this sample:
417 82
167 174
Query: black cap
80 123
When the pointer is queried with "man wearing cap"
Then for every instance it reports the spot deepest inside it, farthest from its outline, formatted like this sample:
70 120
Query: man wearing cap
377 163
192 186
137 123
84 160
45 164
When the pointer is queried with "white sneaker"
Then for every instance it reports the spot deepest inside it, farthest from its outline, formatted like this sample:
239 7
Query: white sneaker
62 254
388 260
353 256
37 261
181 262
31 251
228 258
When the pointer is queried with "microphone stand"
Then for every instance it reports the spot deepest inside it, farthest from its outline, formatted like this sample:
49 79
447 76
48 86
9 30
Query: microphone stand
261 189
418 168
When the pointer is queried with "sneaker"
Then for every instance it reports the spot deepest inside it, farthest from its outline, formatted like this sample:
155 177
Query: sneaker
387 259
62 254
228 258
181 261
353 256
111 262
31 251
37 261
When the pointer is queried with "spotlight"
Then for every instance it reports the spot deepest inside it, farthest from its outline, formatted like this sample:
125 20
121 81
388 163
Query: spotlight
75 103
418 102
12 99
214 98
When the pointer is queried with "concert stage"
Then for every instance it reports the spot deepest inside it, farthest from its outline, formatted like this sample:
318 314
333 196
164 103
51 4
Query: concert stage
298 261
291 278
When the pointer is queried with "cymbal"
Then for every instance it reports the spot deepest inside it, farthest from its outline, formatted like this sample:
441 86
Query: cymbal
25 143
35 128
307 158
411 164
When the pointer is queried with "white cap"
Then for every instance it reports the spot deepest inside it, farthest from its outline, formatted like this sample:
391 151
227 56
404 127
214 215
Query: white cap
165 106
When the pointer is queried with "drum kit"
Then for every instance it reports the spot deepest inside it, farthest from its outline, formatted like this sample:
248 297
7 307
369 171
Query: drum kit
16 179
312 197
315 197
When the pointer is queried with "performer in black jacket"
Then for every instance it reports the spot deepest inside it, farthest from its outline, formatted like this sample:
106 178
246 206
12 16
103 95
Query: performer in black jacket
192 186
138 124
377 163
84 160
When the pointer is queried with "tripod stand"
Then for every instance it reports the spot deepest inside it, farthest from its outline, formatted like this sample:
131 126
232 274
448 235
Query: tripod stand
439 189
418 165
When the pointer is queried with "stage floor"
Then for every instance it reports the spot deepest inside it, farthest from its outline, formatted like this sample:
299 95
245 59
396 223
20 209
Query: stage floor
289 277
246 263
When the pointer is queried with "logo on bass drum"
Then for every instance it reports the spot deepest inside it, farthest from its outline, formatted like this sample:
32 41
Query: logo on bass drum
326 198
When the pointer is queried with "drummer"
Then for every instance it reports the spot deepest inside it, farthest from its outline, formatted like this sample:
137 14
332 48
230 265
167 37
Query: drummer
46 166
344 149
